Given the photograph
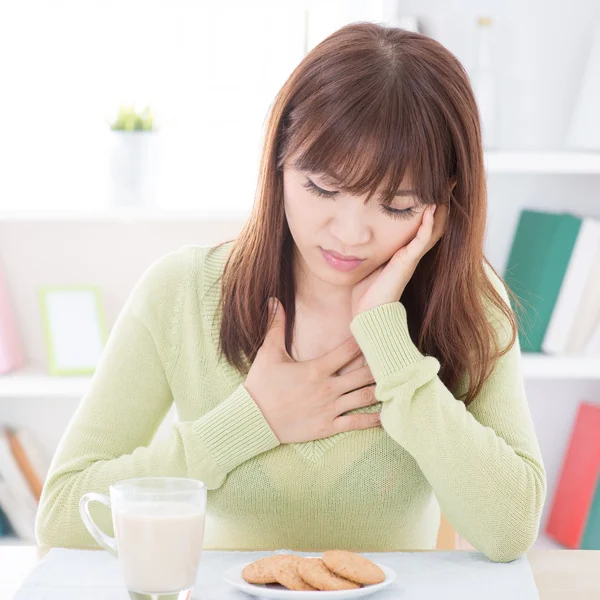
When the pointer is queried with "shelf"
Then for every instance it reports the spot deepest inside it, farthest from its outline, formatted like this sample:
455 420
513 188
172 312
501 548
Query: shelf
545 542
121 215
32 383
565 163
540 366
11 540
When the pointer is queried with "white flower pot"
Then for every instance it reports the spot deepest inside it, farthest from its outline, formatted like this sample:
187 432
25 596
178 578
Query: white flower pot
133 168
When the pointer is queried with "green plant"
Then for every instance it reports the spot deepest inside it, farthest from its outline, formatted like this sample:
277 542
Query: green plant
129 120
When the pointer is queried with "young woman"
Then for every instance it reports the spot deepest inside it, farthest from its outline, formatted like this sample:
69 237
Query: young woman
387 383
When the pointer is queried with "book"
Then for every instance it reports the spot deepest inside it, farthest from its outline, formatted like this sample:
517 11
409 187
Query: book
17 514
587 319
578 480
578 301
537 264
5 526
12 356
19 454
591 535
32 457
592 348
16 497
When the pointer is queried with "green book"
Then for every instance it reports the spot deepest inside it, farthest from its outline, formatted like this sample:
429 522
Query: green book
537 263
591 536
5 528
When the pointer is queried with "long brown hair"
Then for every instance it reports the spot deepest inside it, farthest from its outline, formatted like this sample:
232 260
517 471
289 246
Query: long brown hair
365 105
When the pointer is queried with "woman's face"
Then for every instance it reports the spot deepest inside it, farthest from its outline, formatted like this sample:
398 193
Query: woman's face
344 224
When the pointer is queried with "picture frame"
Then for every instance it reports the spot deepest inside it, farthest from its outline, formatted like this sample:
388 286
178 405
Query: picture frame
75 329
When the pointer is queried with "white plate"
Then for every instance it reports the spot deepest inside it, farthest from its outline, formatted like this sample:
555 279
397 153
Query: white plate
234 577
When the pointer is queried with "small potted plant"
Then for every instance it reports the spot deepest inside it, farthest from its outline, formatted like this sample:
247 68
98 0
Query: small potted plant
133 158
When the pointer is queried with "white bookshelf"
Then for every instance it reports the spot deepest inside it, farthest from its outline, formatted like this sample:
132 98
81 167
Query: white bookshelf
11 540
575 163
34 383
541 366
550 180
545 542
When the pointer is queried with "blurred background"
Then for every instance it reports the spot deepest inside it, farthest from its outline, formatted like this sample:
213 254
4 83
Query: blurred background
130 128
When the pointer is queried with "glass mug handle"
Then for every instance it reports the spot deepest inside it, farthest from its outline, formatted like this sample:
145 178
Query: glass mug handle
106 541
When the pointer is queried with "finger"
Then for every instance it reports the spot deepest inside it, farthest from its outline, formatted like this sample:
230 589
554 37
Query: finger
418 245
335 359
356 399
356 421
426 229
438 226
354 379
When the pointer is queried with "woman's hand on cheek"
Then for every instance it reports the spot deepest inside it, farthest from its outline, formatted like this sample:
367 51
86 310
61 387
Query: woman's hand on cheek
386 284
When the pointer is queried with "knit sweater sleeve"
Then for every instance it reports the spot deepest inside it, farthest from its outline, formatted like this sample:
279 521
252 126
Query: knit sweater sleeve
109 437
482 461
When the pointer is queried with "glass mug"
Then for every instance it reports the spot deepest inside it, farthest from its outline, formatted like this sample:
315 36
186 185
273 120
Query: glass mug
159 532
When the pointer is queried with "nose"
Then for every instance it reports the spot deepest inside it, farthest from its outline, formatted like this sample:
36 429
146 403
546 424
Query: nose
350 225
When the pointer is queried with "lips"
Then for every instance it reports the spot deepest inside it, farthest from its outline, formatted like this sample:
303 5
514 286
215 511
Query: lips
340 264
341 256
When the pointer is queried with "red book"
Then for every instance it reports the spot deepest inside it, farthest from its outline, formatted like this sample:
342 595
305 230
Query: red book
579 476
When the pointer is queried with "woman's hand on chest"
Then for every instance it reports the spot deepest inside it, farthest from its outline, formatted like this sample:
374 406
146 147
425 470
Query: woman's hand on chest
303 401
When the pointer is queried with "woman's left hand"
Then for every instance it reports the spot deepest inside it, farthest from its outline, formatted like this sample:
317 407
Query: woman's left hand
386 284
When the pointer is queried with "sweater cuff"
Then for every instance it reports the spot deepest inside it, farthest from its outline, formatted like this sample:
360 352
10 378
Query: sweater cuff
235 431
383 336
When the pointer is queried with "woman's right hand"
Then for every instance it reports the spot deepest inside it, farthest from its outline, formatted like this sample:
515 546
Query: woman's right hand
303 401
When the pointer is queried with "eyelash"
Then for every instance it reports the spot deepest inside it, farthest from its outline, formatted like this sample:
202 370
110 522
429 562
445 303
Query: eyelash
395 213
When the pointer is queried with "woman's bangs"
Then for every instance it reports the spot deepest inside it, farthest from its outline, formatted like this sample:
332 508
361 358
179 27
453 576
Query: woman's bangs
358 160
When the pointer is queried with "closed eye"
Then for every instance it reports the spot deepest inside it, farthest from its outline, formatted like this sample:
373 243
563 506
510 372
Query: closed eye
311 187
395 213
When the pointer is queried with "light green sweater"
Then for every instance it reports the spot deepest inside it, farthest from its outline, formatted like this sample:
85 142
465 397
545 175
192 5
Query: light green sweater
371 490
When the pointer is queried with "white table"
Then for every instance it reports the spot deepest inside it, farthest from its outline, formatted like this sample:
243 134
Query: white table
559 574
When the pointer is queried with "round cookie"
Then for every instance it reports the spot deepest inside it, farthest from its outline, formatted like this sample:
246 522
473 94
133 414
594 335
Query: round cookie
261 570
286 573
315 573
353 566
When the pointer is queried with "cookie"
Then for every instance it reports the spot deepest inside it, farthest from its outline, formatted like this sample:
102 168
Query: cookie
261 570
353 567
315 573
286 573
